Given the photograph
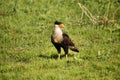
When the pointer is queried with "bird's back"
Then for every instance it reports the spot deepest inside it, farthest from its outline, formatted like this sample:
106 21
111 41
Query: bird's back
68 42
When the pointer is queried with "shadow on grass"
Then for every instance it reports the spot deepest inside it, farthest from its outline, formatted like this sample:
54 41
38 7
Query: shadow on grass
53 56
45 56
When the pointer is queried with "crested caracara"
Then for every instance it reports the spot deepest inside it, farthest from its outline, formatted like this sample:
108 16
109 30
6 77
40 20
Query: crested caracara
61 40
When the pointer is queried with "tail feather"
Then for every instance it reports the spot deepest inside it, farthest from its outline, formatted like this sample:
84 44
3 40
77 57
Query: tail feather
73 48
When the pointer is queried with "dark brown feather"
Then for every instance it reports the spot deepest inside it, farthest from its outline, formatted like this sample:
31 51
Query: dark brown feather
68 42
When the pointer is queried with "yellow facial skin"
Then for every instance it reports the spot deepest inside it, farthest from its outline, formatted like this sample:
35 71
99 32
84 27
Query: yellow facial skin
61 25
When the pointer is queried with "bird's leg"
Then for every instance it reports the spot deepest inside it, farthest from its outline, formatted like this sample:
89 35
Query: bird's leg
59 56
65 48
59 52
66 52
66 56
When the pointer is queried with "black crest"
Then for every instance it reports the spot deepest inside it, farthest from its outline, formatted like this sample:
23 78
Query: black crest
57 22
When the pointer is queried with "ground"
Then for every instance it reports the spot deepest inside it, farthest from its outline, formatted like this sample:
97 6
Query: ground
26 51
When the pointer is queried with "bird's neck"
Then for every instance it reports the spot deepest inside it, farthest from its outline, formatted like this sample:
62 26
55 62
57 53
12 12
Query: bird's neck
57 30
57 34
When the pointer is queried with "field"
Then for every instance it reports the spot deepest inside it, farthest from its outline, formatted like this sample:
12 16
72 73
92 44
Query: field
26 52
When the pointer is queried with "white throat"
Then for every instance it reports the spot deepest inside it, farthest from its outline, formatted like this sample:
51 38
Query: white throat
57 34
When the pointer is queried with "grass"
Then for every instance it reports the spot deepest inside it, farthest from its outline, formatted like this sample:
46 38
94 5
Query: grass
27 53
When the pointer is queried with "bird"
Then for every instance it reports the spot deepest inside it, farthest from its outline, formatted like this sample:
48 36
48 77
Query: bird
61 40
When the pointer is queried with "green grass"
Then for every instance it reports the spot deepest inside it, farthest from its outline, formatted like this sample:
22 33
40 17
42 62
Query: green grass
26 52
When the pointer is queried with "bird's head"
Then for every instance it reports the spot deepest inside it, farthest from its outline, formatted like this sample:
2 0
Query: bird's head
59 24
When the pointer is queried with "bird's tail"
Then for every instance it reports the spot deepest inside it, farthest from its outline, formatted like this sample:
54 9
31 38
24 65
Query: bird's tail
73 48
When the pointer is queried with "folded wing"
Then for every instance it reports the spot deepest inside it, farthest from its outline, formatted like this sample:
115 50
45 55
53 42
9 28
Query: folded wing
67 41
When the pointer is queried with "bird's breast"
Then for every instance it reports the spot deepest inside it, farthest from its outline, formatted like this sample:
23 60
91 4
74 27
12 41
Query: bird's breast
57 35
